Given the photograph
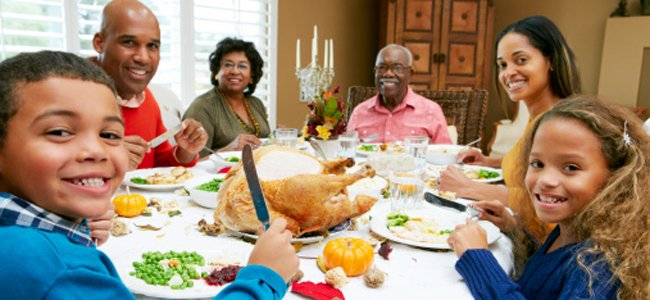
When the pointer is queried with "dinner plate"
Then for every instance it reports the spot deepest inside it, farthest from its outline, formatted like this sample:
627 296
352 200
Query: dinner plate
446 219
391 148
143 173
213 250
221 163
305 239
435 170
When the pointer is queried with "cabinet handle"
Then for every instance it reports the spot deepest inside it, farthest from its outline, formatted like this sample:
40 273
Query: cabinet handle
435 58
442 58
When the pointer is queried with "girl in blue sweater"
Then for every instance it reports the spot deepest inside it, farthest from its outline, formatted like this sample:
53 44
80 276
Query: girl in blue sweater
587 170
61 159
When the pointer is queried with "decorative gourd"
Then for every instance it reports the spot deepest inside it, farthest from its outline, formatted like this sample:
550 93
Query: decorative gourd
129 205
354 255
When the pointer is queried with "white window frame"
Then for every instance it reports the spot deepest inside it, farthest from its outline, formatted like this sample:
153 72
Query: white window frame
187 93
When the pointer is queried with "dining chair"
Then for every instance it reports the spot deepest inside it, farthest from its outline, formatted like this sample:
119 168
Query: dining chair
465 109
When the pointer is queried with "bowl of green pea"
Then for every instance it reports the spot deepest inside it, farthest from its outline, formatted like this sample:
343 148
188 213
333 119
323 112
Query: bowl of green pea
204 190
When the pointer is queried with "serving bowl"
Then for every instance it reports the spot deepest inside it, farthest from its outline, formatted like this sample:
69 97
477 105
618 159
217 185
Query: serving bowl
443 154
203 198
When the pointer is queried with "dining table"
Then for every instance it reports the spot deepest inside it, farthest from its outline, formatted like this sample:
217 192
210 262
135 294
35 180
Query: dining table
412 272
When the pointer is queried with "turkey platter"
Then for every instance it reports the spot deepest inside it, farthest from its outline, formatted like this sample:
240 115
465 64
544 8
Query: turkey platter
310 194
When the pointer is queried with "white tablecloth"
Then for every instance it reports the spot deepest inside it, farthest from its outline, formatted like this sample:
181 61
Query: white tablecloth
413 273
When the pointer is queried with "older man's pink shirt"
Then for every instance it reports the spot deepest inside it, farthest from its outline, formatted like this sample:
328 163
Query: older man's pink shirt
415 116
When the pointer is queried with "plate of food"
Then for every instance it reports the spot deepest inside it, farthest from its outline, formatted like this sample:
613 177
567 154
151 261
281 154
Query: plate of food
371 148
159 179
482 174
476 173
225 159
425 228
308 238
208 266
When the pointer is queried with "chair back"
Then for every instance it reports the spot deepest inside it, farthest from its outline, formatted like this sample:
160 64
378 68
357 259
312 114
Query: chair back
465 109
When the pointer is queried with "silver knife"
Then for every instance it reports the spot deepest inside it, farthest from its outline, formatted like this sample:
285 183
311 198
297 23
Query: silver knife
155 142
434 199
254 186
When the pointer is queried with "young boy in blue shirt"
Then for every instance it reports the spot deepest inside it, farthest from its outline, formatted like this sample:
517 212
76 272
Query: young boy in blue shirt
61 159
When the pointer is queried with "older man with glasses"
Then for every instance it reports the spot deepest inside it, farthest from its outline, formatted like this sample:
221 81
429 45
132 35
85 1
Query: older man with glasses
396 111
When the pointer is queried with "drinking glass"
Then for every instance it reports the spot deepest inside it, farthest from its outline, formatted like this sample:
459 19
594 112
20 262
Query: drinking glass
348 141
416 146
407 185
287 137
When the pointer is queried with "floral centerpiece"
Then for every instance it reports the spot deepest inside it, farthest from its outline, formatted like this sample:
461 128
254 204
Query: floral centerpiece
326 118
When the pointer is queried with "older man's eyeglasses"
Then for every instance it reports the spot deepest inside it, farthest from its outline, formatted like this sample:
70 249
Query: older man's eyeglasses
229 66
396 68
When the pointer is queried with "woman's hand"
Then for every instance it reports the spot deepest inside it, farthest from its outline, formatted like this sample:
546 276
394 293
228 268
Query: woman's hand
472 156
191 139
467 236
238 143
101 226
273 249
454 180
497 213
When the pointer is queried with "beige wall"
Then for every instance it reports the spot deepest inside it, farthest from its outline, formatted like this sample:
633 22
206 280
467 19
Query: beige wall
353 24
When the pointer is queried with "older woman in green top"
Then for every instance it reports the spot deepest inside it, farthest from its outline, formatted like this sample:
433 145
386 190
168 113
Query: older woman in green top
229 112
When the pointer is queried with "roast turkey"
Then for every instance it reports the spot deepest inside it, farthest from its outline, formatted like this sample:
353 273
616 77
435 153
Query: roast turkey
310 194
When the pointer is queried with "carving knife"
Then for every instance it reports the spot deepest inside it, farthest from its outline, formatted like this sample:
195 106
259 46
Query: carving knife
442 202
254 186
155 142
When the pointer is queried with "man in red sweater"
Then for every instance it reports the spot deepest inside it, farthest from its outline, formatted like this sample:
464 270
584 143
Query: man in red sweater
129 51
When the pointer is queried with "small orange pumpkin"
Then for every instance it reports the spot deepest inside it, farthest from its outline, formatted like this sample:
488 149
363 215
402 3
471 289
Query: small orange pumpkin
129 205
354 255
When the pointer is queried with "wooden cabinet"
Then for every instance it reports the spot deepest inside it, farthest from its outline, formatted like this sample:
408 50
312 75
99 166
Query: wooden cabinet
451 40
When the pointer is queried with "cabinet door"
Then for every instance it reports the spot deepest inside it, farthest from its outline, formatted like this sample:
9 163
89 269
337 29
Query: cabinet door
464 48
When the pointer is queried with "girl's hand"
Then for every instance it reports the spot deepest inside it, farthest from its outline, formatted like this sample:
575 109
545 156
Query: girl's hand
273 249
497 213
467 236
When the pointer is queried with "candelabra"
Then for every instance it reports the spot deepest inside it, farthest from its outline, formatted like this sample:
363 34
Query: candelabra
313 81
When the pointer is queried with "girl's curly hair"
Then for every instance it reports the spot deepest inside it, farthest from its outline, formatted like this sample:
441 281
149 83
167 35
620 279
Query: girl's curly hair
616 221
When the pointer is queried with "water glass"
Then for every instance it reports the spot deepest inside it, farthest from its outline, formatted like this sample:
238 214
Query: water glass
416 146
348 141
287 137
406 191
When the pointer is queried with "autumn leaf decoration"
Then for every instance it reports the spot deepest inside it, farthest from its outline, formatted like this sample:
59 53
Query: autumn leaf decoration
326 118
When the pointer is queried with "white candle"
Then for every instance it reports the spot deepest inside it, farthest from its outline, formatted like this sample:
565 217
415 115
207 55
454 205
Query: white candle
297 54
313 52
314 48
325 52
331 54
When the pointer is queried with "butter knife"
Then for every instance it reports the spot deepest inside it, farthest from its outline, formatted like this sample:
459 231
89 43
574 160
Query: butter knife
155 142
434 199
254 186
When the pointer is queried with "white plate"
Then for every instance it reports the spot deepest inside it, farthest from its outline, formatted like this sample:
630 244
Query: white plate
435 170
495 179
364 153
220 163
143 173
229 250
367 186
447 219
305 240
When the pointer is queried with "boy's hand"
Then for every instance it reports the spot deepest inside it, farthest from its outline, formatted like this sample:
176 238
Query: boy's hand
191 139
101 226
274 250
137 148
467 236
495 212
